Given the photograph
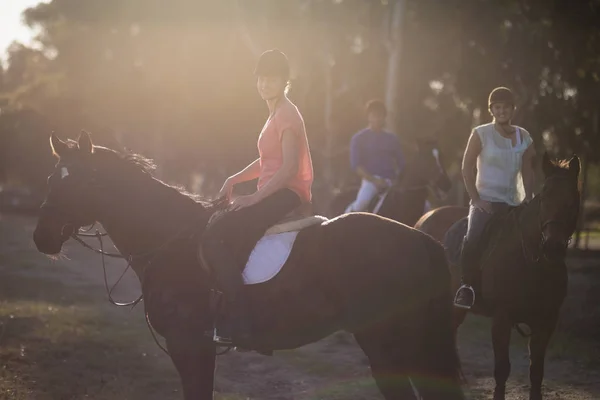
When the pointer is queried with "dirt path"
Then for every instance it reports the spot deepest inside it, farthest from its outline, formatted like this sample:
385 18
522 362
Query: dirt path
61 339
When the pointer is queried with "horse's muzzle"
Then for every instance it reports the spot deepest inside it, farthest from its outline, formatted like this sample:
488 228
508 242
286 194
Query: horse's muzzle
554 250
47 244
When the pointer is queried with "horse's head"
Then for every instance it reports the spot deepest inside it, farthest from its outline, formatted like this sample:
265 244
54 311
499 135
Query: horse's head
76 188
69 202
428 164
559 205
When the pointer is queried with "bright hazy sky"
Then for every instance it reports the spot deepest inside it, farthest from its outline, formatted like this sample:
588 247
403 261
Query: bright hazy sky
11 27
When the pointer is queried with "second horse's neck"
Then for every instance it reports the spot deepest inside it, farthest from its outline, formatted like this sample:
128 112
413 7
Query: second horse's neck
529 224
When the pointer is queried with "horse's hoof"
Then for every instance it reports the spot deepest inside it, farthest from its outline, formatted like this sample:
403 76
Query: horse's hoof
499 393
535 395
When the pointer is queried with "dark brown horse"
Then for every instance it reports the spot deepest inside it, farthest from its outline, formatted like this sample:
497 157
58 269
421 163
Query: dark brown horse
387 283
405 201
524 276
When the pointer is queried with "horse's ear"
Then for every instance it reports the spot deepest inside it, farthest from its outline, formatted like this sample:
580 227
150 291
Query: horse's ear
547 167
574 166
85 142
58 146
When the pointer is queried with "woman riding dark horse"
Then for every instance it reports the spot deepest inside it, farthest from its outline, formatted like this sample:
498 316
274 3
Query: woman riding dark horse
404 201
522 276
285 175
386 283
503 154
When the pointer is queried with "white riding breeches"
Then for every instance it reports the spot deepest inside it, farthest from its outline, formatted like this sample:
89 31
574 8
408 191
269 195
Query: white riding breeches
367 192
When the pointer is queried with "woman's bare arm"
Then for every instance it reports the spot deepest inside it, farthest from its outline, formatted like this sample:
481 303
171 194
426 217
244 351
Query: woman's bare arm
252 171
527 172
469 163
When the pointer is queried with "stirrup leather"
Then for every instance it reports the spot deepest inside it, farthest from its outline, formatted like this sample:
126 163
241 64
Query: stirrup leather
214 306
464 287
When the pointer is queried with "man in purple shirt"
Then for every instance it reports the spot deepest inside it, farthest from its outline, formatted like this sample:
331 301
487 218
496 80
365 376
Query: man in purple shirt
376 156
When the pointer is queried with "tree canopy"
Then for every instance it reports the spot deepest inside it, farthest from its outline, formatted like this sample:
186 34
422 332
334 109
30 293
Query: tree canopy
176 83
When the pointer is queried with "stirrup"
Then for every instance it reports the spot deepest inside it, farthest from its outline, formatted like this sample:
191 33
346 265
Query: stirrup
458 305
214 306
219 340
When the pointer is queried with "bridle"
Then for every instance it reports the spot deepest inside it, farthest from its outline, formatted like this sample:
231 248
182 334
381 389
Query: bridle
555 222
543 238
149 255
68 230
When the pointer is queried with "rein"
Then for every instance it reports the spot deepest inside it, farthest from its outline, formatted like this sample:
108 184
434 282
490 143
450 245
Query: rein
528 255
154 252
541 226
99 235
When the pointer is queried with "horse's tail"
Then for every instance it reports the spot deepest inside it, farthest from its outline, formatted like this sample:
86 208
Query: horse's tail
440 363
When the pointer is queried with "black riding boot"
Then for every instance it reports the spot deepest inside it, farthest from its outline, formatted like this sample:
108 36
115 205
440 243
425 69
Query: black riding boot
235 327
465 296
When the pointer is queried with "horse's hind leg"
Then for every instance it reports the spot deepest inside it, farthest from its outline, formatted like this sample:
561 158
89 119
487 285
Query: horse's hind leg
388 356
538 342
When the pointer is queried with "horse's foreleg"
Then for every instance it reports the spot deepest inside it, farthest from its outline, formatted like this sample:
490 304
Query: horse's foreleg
177 320
501 329
194 359
538 343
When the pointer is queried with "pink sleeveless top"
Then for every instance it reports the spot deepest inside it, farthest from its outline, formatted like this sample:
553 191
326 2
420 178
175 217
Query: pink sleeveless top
270 149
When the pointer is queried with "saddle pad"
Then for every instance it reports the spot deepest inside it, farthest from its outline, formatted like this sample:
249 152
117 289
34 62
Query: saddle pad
295 224
268 257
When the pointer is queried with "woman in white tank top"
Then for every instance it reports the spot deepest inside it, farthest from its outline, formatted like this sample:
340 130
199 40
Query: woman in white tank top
503 154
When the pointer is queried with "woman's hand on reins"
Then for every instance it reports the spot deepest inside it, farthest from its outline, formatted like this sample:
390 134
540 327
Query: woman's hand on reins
243 201
227 189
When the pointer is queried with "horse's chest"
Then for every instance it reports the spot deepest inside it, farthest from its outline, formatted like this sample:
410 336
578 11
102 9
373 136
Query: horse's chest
526 288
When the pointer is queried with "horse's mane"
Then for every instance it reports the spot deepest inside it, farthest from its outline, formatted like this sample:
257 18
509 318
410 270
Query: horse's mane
145 167
148 166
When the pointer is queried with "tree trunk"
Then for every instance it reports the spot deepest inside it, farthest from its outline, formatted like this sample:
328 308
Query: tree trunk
584 183
394 45
580 221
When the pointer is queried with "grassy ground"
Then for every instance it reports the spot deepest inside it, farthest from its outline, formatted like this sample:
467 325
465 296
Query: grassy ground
61 340
56 344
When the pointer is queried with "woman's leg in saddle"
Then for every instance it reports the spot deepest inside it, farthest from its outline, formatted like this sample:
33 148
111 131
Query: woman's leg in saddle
258 218
218 252
368 190
469 262
225 239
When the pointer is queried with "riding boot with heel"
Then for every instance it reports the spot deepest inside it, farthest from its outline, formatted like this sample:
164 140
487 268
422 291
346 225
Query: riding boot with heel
465 296
233 325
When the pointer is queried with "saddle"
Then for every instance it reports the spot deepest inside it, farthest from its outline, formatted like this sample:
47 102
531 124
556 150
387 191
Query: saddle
265 259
